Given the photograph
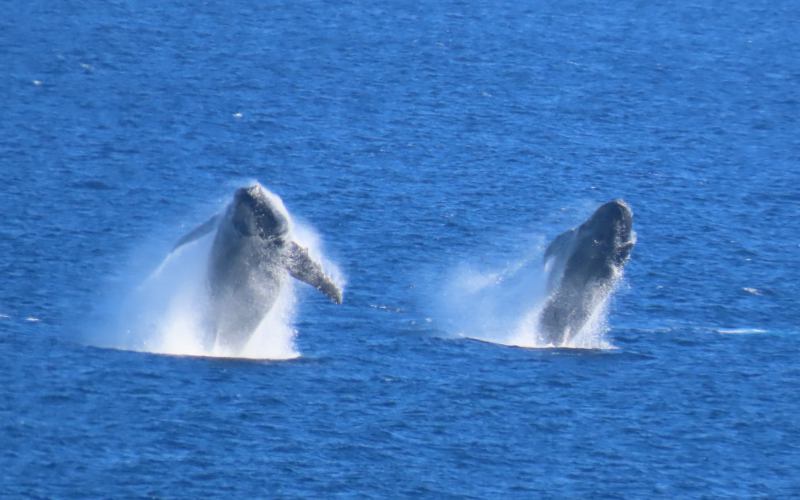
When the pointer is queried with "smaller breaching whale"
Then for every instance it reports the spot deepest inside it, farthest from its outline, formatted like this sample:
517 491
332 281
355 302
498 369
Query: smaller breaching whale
584 264
250 257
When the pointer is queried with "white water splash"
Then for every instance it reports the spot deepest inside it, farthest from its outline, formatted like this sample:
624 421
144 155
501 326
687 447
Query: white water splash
504 307
166 313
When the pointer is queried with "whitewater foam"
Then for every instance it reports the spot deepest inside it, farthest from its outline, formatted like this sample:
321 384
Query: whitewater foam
740 331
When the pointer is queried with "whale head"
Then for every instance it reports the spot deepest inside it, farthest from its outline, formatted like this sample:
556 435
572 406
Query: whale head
257 212
604 242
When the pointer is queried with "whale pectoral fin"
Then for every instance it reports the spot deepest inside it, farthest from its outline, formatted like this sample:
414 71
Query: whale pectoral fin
559 245
198 232
302 267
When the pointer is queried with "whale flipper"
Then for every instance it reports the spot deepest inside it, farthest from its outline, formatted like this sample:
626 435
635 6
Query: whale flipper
198 232
555 256
302 267
560 244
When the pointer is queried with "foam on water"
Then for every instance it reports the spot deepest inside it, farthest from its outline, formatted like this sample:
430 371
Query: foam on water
740 331
166 312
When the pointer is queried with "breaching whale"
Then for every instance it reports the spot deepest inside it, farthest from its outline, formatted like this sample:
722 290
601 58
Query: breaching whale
250 257
584 264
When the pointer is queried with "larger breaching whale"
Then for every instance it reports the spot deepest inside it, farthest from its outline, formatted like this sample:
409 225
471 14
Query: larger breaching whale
584 264
250 257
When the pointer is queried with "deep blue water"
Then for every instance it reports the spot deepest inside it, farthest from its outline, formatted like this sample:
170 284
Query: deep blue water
414 138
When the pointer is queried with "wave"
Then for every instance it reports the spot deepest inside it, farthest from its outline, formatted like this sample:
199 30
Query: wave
740 331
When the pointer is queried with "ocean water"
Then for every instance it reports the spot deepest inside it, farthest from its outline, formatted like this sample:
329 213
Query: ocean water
425 146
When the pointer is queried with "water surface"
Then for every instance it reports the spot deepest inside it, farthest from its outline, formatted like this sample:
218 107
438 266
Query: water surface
415 139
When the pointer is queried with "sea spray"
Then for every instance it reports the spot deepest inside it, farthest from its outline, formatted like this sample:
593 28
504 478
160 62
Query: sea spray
561 302
167 311
503 306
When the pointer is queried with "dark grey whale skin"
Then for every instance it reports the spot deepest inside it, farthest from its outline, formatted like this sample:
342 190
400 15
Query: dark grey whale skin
251 255
585 262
